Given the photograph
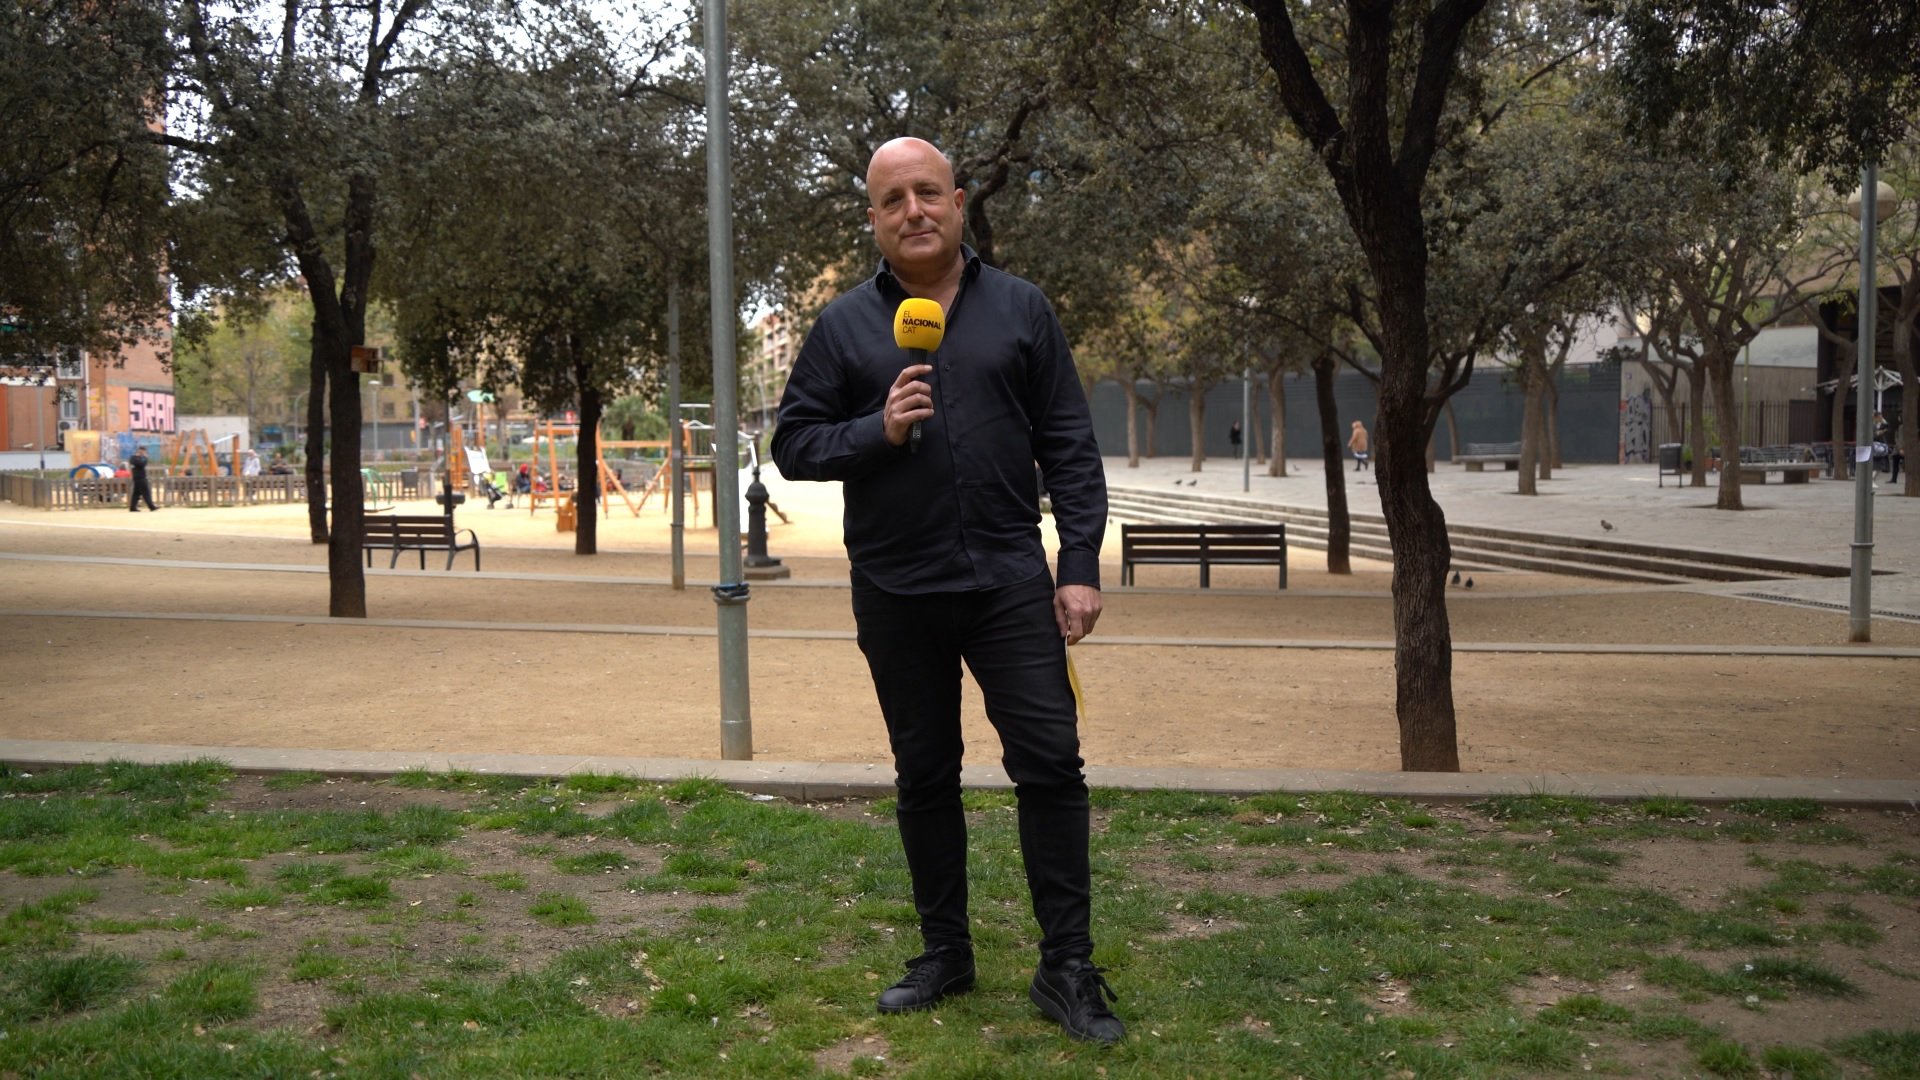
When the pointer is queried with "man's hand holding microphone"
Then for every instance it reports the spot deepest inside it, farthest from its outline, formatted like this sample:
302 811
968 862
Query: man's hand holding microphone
918 326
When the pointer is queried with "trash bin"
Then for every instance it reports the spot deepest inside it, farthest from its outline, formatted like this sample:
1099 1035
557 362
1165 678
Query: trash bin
1669 461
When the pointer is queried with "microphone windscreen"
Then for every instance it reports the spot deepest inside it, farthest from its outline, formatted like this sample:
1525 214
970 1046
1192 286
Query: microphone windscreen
919 324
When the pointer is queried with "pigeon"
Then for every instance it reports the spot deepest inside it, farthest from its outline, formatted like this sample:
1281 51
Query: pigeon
1456 577
1607 525
1469 583
1176 483
1193 482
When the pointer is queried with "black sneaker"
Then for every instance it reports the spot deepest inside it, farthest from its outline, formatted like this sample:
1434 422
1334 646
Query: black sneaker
930 977
1072 994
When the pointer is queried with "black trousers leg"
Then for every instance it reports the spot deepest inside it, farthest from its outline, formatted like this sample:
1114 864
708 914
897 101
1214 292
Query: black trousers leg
1016 654
914 654
1008 639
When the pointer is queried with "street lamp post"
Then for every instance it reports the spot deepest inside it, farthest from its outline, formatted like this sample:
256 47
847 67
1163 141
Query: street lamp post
1863 207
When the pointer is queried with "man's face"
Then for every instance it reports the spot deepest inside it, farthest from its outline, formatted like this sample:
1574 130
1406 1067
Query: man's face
916 212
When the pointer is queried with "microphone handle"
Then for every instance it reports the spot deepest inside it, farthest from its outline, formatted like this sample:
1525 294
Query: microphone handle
918 356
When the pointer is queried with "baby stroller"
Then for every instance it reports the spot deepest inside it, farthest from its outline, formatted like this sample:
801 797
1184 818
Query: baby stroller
492 491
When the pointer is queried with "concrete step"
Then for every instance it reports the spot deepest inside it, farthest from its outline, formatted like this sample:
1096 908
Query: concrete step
1474 547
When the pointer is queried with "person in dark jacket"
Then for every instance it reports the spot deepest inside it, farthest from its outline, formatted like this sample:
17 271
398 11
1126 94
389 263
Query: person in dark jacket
948 567
137 468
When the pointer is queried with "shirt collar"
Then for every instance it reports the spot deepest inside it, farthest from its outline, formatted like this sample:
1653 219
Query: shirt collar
885 280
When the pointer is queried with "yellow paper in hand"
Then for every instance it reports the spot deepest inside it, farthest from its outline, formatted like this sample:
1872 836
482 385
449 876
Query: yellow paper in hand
1079 697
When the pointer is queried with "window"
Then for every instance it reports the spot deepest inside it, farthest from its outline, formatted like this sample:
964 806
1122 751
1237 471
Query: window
71 366
386 410
69 406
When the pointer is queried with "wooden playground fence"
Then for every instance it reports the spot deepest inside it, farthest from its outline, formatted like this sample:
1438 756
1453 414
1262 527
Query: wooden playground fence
63 493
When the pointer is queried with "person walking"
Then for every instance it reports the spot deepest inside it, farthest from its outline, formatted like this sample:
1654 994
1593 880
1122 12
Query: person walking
137 469
948 564
1357 442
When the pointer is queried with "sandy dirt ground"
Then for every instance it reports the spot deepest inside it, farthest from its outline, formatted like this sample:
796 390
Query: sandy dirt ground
205 627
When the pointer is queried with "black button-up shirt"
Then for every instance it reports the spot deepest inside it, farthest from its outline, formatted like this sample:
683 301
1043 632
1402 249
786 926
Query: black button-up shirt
962 513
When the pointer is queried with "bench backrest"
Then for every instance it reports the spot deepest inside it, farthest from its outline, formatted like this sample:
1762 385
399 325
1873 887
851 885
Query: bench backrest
1479 449
408 527
1218 541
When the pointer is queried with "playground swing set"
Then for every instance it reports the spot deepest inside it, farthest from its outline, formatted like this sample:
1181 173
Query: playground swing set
552 486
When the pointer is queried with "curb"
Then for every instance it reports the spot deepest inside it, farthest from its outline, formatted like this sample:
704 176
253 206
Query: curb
809 781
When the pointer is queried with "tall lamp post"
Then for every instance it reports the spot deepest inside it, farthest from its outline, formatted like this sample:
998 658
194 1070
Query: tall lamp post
1863 205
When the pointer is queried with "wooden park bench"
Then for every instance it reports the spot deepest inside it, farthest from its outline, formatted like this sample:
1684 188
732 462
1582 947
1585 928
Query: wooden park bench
1793 464
418 534
1205 545
1479 454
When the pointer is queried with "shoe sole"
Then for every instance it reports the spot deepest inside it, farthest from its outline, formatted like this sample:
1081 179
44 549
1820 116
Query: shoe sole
957 986
1057 1012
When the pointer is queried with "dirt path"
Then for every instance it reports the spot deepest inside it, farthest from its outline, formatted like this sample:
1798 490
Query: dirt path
284 682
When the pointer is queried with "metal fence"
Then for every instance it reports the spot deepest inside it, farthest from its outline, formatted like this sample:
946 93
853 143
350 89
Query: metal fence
63 493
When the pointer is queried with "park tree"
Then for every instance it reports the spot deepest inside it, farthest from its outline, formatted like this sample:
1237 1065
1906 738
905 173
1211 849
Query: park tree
1386 95
287 116
1819 87
1736 260
552 272
1053 115
84 222
1899 249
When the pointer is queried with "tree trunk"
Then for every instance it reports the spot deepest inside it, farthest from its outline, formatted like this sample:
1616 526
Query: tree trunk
1697 416
1339 522
316 464
1152 406
1416 526
1277 400
1133 422
1531 426
1906 440
1843 360
1197 417
1721 371
1453 433
1552 460
347 583
586 486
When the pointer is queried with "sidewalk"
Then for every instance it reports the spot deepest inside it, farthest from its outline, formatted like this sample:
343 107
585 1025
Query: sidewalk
1811 521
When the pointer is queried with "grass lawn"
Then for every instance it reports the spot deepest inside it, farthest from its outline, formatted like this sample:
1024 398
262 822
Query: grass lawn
179 921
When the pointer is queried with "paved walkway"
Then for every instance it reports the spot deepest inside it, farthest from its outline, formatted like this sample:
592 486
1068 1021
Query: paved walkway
1811 521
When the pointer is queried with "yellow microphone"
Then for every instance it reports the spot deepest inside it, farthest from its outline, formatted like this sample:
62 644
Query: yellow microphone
918 326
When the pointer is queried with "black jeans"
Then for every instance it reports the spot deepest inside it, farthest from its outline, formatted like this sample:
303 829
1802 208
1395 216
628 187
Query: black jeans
1007 637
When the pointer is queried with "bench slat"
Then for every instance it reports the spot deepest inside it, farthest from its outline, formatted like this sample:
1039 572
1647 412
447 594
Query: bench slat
1203 545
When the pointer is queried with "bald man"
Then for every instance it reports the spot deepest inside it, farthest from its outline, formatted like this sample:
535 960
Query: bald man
948 565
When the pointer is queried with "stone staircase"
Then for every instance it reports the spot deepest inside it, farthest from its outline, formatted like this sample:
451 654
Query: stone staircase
1474 547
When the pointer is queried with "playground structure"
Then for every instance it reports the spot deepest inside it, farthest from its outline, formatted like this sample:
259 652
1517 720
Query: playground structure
553 454
191 453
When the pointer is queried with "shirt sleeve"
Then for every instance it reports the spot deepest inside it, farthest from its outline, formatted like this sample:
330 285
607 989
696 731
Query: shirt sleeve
818 437
1063 445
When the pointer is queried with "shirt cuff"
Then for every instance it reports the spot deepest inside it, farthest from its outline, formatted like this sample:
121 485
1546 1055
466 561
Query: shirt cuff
1078 568
870 435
